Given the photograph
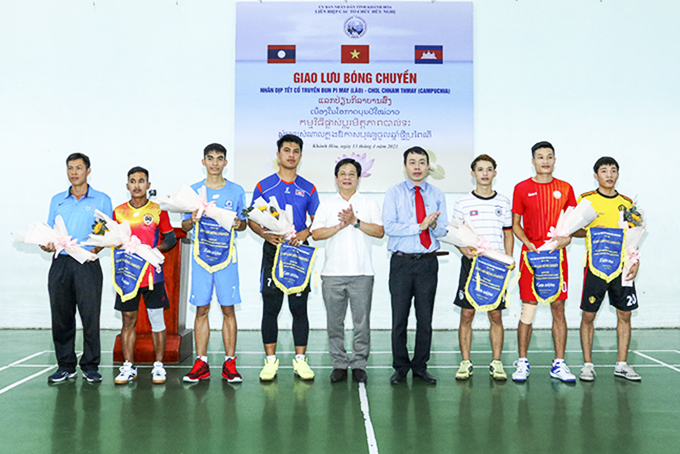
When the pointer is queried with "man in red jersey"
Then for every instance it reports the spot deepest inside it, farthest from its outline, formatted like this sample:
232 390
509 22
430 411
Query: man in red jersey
536 206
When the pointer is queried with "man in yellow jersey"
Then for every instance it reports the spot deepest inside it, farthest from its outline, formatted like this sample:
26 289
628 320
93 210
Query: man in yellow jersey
603 273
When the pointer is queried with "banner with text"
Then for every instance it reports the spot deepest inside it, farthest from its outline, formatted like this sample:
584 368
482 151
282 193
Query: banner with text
358 80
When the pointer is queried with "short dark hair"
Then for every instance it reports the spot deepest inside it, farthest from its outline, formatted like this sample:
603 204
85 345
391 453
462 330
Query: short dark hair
76 156
605 161
540 145
292 138
345 161
215 147
483 157
417 150
137 169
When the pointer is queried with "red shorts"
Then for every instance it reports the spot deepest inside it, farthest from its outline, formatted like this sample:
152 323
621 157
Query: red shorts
526 279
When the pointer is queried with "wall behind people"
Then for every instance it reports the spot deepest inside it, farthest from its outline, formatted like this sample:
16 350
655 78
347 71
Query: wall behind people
151 83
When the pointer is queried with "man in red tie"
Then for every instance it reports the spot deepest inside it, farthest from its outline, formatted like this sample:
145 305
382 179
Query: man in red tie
410 214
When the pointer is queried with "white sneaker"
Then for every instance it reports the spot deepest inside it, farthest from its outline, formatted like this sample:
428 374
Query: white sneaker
127 373
627 372
158 373
522 371
587 373
561 371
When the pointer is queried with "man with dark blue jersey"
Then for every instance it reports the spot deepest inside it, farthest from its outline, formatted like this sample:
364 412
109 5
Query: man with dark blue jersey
72 285
289 189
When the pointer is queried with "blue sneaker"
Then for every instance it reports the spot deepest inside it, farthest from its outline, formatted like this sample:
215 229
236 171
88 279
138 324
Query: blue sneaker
61 375
92 376
561 371
522 372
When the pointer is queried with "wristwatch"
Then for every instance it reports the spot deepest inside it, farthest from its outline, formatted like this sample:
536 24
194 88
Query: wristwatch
358 224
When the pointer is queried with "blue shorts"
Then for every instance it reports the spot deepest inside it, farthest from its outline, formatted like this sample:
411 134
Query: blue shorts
225 283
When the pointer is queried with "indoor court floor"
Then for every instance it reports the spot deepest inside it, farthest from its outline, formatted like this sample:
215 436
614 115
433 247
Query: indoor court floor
609 415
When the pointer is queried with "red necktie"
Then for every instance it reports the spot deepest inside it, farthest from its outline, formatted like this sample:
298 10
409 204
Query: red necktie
420 215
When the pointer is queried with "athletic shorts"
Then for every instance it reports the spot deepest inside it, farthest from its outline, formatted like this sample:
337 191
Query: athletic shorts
460 300
526 279
594 288
153 299
225 282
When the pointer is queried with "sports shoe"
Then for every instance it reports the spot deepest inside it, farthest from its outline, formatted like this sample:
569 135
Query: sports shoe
522 370
561 371
627 372
229 372
465 370
268 372
587 373
127 373
200 371
92 376
301 369
496 370
158 373
61 375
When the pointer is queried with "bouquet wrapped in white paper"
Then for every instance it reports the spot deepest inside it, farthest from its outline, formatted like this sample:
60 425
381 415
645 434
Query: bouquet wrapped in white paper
42 234
570 220
633 236
271 217
462 234
186 200
120 235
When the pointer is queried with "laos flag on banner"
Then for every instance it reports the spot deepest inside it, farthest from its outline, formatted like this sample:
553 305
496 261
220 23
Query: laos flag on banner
281 53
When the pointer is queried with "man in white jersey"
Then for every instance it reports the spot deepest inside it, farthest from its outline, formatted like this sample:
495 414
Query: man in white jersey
490 213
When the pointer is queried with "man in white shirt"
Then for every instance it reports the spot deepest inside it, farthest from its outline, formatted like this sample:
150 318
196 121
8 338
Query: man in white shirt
348 220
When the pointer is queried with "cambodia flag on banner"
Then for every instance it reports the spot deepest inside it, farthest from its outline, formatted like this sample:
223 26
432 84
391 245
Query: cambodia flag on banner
281 53
354 53
432 55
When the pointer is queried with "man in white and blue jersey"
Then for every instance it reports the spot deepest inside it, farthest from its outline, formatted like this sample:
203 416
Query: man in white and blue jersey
214 265
490 214
410 212
289 189
74 286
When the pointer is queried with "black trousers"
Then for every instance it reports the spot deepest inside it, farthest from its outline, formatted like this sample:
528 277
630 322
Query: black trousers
272 299
72 285
415 280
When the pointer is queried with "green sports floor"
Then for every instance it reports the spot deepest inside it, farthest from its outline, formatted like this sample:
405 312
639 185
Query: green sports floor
609 415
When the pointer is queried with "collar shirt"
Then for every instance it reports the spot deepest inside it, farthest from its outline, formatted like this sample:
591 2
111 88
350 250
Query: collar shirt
348 252
399 217
78 215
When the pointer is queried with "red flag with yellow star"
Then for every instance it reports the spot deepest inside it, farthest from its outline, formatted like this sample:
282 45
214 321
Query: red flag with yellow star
355 53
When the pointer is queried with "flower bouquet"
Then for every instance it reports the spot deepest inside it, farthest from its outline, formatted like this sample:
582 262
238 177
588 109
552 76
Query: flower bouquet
120 235
186 200
462 234
632 222
42 234
271 218
570 220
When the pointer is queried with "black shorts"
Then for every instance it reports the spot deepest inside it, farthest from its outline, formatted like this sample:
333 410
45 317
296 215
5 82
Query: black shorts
153 299
460 300
594 288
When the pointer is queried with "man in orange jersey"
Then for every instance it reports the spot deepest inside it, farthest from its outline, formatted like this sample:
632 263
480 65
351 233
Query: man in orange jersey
134 278
605 275
536 206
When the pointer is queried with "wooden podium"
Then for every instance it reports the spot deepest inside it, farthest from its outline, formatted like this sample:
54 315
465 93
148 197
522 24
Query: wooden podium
180 340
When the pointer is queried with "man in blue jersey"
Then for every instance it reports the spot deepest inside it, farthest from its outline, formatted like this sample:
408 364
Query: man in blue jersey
289 189
214 265
72 285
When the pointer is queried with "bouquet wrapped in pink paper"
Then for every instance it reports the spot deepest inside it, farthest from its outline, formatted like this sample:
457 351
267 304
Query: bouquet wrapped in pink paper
42 234
186 200
120 235
462 234
632 222
271 217
570 220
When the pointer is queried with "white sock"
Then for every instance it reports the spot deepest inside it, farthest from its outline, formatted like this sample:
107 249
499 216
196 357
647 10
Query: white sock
228 358
158 364
271 358
299 357
558 360
204 359
620 363
588 364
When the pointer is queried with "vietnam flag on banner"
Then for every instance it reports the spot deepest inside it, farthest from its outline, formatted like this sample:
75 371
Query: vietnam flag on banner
281 53
355 53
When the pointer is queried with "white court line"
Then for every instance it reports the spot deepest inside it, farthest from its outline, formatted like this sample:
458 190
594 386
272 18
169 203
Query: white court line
24 380
370 434
23 359
656 361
